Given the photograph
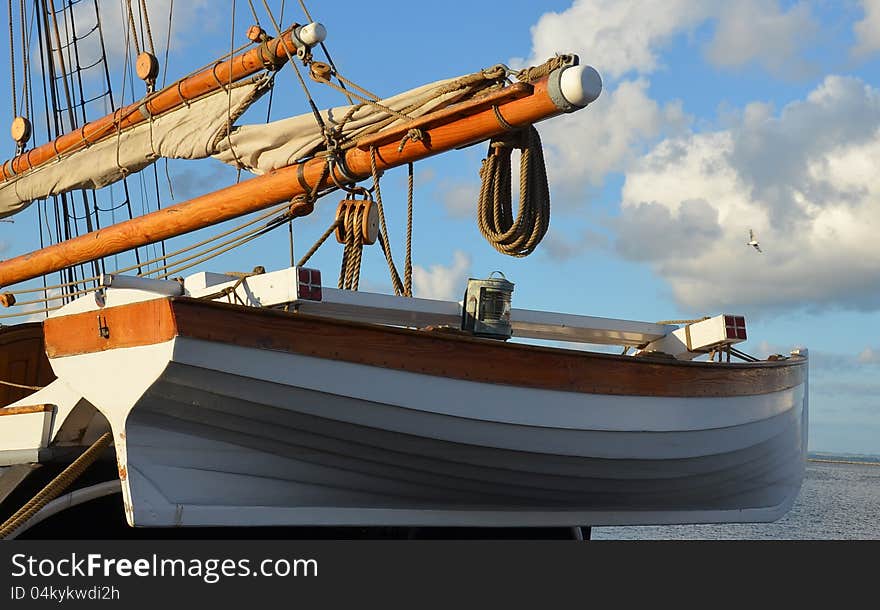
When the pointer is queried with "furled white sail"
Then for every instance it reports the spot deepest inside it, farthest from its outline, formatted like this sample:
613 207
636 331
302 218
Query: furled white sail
262 148
188 132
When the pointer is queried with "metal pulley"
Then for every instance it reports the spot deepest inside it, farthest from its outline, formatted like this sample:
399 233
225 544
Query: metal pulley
347 212
20 130
486 307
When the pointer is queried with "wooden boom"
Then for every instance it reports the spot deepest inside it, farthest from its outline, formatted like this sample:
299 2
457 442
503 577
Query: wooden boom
271 53
453 127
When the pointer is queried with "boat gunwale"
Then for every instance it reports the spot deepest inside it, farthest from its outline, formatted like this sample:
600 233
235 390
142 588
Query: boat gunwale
413 350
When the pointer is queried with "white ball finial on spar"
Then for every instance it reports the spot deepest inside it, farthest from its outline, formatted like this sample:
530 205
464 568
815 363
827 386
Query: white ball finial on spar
580 85
312 34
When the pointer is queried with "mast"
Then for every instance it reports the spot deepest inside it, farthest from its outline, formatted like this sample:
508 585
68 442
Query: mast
564 90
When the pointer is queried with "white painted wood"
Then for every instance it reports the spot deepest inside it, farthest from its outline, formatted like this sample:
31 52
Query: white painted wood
213 434
22 436
278 288
162 287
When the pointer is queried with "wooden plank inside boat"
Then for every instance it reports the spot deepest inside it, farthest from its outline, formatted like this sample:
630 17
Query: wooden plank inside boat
23 361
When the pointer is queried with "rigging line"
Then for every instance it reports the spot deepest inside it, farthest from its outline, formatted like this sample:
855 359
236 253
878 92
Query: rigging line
109 83
231 240
272 90
407 263
250 238
266 214
25 57
12 60
254 13
167 43
89 226
133 28
229 101
302 82
56 297
146 19
305 11
52 287
384 243
29 313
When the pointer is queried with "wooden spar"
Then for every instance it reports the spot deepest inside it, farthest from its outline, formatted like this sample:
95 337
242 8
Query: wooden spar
469 123
272 52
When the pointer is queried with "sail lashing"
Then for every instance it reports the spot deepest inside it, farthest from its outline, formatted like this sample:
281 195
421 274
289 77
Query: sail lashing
188 132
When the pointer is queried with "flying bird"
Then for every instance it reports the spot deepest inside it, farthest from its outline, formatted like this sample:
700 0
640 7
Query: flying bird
753 242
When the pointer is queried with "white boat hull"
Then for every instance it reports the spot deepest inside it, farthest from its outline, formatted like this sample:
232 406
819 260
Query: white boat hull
210 433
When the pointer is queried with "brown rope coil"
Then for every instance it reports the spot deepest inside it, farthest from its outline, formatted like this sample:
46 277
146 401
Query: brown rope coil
494 209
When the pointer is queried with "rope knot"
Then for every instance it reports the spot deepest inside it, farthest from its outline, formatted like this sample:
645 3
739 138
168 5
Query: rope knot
415 134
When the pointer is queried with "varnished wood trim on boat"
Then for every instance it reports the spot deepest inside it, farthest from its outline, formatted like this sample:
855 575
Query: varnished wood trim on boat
144 323
438 354
26 409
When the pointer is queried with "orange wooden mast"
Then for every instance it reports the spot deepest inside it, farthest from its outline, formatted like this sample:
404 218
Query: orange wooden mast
459 125
272 53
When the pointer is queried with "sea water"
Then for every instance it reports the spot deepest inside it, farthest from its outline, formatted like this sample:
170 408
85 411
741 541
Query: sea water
838 501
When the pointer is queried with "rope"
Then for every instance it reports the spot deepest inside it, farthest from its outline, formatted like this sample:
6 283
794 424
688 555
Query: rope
319 243
495 213
23 387
683 321
352 254
535 72
146 17
407 263
57 485
231 290
12 59
133 27
383 233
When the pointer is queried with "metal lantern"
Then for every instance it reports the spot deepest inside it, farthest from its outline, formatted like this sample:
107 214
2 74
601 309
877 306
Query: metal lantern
486 308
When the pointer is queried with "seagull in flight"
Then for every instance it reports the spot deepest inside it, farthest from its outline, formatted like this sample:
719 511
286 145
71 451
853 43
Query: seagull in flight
753 242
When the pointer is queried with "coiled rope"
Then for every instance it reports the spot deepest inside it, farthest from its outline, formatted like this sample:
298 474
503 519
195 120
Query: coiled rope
57 485
494 209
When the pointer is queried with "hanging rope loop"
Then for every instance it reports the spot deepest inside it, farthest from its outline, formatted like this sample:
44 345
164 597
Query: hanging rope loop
518 237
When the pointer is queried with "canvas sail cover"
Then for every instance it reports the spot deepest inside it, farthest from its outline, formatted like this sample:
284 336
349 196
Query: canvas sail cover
262 148
188 132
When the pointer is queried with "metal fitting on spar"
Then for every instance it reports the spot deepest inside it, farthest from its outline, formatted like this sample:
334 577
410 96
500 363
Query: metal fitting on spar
310 34
574 87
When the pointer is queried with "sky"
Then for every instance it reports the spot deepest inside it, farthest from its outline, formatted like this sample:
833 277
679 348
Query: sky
715 118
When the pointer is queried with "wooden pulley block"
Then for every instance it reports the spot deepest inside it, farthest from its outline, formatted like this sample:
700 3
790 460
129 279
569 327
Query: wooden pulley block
256 34
369 225
20 129
7 299
147 66
320 72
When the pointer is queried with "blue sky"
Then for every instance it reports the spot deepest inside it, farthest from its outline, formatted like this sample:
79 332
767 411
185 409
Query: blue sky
715 117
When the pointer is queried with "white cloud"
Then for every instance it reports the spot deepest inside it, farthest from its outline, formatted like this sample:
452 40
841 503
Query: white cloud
622 40
460 199
583 147
622 36
616 36
188 17
758 31
442 281
867 31
804 180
